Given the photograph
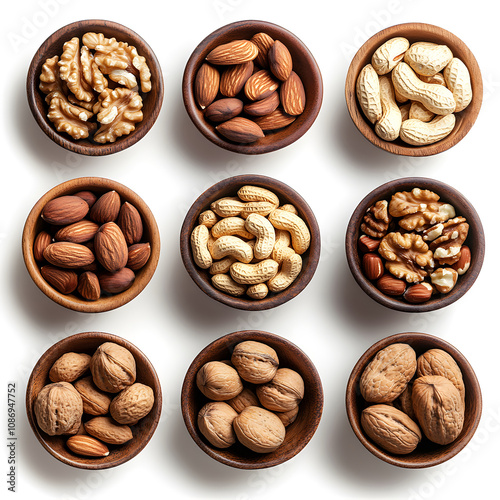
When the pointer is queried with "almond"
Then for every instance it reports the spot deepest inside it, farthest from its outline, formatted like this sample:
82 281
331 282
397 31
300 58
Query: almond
88 196
206 85
293 95
78 232
416 294
223 110
110 247
116 282
240 130
463 263
42 241
263 106
367 244
234 78
138 255
275 120
63 280
64 210
130 222
235 52
260 85
263 42
390 285
280 61
87 446
88 286
373 266
106 208
68 255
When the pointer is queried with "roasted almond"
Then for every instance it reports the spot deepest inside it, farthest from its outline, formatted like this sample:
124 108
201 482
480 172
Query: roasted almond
116 282
130 222
106 208
263 42
373 266
42 241
78 232
63 280
280 61
223 109
64 210
88 196
206 85
110 247
260 85
234 78
293 95
367 244
88 286
87 446
235 52
390 285
68 255
416 294
463 263
241 130
263 106
274 120
138 255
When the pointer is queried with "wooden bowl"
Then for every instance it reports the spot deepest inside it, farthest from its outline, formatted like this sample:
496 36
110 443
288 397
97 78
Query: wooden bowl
143 431
34 224
304 65
427 453
152 100
298 434
475 241
415 32
229 187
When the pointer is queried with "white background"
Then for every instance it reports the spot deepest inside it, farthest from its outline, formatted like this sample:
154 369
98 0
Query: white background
332 320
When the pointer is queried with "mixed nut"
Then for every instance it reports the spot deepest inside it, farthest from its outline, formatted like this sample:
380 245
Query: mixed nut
409 396
96 409
90 244
418 240
411 91
250 244
252 399
82 101
248 87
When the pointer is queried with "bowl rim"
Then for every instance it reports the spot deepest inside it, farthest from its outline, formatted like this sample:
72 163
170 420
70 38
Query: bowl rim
295 288
351 248
191 106
68 143
231 339
366 129
106 337
351 389
102 304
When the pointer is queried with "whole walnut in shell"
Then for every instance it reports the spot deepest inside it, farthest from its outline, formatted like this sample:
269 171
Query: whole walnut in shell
69 367
245 398
215 421
113 367
218 381
256 362
283 393
58 409
132 404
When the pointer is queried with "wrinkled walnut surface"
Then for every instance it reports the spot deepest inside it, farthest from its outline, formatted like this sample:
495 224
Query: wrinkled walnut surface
215 421
256 362
218 381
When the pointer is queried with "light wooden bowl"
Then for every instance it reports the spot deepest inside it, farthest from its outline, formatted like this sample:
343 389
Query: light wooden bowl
415 32
152 101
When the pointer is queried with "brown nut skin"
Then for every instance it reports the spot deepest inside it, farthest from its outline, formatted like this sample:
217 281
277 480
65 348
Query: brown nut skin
113 367
69 367
388 373
105 429
58 409
259 429
283 393
256 362
95 401
218 381
132 404
245 398
215 421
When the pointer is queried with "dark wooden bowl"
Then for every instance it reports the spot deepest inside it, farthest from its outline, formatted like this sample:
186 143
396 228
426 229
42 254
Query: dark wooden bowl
427 454
34 224
229 187
304 65
415 32
152 100
143 431
298 434
475 241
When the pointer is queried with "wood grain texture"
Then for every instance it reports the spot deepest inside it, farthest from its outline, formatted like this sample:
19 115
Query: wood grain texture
34 224
304 65
229 187
143 431
298 434
427 454
152 101
475 241
415 32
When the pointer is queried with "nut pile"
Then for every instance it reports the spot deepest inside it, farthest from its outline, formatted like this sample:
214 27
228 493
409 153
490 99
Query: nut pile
248 88
252 398
81 100
412 396
91 244
250 244
412 91
98 408
419 240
